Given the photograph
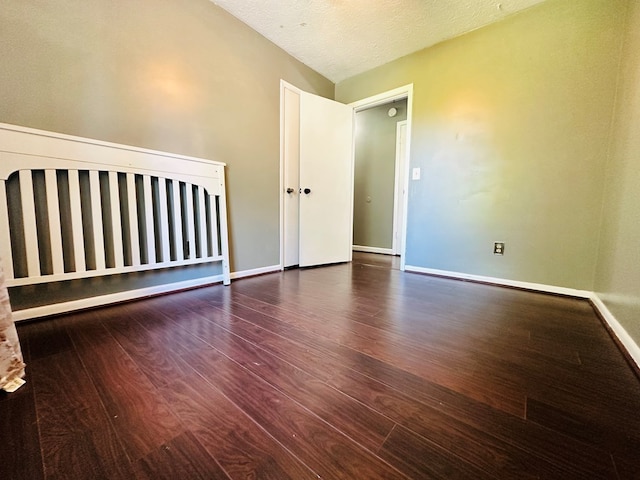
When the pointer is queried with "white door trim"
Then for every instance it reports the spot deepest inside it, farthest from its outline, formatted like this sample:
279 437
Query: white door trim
398 186
399 93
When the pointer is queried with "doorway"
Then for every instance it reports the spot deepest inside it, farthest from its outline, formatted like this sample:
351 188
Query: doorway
379 159
402 169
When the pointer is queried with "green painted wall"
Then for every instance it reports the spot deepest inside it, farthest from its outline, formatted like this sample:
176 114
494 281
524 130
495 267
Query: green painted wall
618 273
178 76
374 175
510 128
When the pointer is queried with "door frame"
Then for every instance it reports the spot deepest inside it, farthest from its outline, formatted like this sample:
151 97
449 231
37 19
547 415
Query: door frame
399 93
398 186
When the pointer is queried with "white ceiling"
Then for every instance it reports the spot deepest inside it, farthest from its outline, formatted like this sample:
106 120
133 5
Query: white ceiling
342 38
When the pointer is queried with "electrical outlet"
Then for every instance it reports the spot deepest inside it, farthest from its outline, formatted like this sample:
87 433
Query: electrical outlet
498 248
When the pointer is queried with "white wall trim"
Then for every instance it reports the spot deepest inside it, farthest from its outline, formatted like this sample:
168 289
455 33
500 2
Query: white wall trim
539 287
382 98
400 167
256 271
625 339
627 342
85 303
383 251
93 141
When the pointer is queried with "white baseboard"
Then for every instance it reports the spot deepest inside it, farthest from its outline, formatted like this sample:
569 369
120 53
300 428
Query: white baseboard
539 287
625 339
361 248
84 303
255 271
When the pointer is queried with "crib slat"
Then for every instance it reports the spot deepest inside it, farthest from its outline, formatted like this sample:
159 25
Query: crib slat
202 222
30 227
5 237
213 219
76 221
55 232
116 219
164 220
96 214
133 219
191 250
177 221
149 230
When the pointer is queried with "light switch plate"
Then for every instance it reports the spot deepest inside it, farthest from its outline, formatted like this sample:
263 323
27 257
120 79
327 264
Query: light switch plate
415 173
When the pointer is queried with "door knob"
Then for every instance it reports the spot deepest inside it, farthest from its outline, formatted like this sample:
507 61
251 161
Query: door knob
307 191
290 190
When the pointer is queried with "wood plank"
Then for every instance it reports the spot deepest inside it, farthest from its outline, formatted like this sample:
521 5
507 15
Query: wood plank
360 423
597 426
627 468
181 457
397 353
21 457
419 458
78 440
274 338
324 449
45 338
142 420
242 448
240 445
485 448
322 357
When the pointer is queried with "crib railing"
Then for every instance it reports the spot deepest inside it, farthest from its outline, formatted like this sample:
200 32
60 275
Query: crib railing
73 208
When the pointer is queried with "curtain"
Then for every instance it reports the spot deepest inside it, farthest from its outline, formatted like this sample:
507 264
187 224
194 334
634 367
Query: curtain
11 365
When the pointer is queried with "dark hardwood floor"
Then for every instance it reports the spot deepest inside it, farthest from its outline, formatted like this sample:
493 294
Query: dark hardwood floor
354 371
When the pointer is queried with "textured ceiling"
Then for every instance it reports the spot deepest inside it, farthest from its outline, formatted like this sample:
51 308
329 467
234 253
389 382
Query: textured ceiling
341 38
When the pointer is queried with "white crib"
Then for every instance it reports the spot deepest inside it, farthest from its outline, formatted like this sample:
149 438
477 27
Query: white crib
73 208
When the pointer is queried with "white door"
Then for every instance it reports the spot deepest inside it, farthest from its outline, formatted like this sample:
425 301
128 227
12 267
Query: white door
323 158
290 124
326 181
